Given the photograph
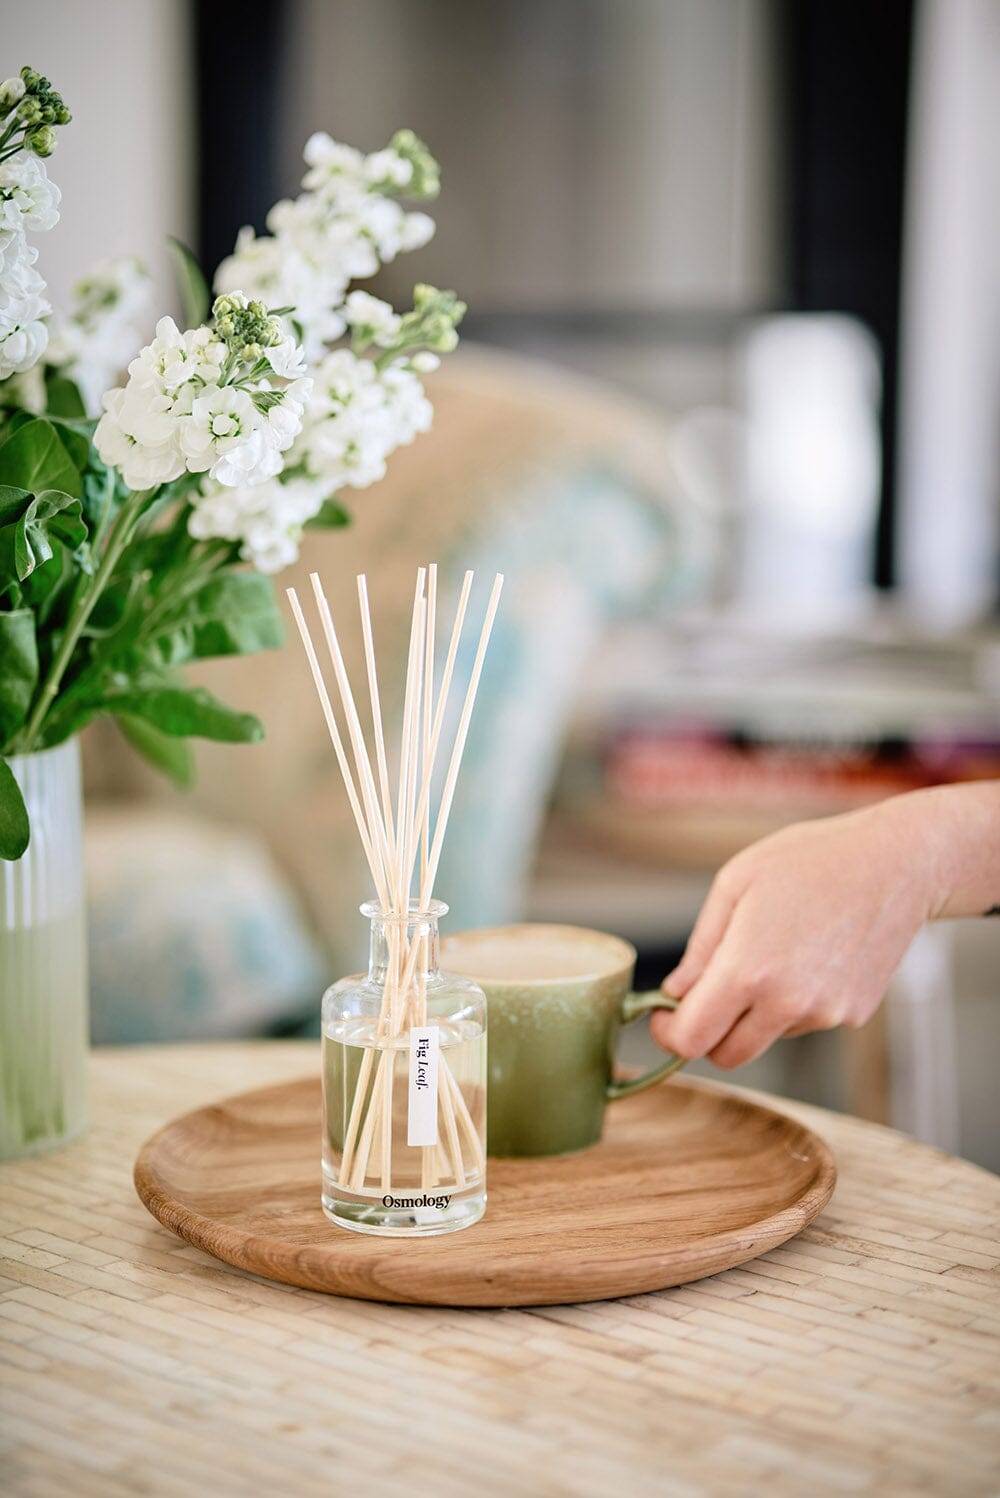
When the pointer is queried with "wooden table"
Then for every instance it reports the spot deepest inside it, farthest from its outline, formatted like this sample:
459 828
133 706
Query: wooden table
862 1357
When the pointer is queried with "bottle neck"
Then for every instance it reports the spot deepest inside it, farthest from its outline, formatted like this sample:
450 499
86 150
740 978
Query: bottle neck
391 950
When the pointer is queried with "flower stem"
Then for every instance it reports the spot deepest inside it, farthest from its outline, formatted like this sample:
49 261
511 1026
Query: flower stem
117 541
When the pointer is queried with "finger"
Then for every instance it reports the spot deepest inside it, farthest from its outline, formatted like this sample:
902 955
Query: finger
708 931
711 1007
749 1038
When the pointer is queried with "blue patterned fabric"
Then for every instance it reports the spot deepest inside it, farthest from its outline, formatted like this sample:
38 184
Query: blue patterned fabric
578 552
194 933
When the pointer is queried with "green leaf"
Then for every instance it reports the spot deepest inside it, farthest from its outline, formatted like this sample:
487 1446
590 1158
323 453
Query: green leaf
330 516
35 458
75 433
29 523
62 396
196 298
19 675
103 491
232 614
172 756
184 711
14 830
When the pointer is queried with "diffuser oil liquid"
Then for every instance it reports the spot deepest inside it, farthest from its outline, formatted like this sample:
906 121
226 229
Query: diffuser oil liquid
376 1098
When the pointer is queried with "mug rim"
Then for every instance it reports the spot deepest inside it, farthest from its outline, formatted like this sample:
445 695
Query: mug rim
628 953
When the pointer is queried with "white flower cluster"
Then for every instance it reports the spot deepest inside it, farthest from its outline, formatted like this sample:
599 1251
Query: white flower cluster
102 332
28 201
183 409
266 520
355 417
344 224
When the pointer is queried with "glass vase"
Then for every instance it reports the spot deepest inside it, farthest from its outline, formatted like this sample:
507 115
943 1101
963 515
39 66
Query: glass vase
43 963
404 1087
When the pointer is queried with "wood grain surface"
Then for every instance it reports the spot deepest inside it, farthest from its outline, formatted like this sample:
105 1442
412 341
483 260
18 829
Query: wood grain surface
688 1180
862 1357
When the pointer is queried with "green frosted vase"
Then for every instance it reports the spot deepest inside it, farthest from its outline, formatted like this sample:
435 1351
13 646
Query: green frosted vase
44 1027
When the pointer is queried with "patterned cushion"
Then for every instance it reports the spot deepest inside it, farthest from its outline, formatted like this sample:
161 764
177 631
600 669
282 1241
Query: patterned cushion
194 933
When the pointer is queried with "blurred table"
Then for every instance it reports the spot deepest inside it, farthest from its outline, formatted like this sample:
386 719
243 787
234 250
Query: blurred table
860 1357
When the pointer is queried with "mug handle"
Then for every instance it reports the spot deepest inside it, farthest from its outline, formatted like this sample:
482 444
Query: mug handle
634 1006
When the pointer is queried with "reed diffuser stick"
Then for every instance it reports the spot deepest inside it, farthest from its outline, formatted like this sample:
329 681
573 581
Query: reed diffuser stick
399 848
345 769
365 778
378 727
448 794
425 751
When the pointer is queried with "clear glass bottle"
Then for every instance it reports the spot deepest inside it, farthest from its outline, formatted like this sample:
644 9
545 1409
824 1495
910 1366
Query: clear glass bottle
404 1059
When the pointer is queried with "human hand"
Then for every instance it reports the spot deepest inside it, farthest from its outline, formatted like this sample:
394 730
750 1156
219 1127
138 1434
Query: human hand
801 931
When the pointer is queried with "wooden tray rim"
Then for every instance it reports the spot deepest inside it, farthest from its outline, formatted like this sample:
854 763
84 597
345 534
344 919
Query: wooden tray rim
710 1255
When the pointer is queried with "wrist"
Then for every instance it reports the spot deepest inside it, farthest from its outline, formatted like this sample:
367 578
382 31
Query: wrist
951 836
917 827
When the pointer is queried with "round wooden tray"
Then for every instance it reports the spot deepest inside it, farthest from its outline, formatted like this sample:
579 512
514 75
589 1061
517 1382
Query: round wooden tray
689 1179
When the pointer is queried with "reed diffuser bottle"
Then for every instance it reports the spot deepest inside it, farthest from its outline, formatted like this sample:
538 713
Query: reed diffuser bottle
404 1086
404 1049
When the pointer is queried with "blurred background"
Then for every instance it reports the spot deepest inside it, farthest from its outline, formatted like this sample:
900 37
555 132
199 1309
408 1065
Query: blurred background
728 413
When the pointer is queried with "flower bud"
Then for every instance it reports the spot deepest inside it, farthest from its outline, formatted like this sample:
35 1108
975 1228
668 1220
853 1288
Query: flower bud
30 78
29 111
42 141
246 326
426 179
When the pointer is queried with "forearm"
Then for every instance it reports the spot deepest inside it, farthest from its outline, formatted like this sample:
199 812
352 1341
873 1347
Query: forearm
952 832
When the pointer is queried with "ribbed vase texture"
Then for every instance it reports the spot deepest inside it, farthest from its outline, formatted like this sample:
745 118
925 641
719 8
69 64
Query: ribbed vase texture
43 963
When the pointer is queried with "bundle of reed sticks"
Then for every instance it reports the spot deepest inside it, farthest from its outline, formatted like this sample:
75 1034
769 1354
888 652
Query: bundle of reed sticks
402 842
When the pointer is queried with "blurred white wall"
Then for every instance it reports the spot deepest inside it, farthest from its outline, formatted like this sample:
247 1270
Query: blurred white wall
123 164
949 491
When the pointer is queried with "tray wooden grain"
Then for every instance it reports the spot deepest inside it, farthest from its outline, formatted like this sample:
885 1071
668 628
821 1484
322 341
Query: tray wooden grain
689 1179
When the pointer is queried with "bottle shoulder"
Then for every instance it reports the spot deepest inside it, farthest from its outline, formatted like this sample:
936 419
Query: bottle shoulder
449 996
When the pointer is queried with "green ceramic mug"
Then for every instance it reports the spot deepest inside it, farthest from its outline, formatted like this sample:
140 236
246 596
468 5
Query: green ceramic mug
557 997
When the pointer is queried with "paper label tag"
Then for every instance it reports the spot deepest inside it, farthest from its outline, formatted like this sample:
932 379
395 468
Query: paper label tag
425 1052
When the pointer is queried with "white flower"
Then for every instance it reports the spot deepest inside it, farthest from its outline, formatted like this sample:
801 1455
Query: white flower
142 464
21 347
356 417
224 433
287 359
327 159
94 344
28 200
252 461
174 359
388 166
21 288
425 362
266 519
23 335
12 91
376 318
14 249
343 226
411 411
174 414
279 272
284 420
416 230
